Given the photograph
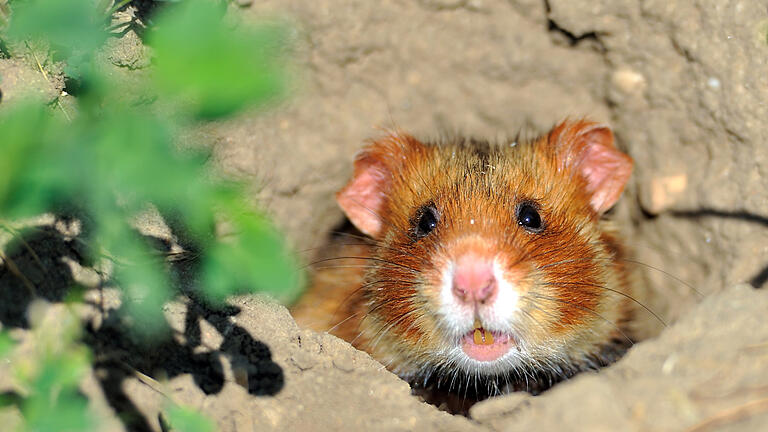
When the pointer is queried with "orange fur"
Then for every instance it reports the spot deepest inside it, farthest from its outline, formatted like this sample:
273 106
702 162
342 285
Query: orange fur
574 290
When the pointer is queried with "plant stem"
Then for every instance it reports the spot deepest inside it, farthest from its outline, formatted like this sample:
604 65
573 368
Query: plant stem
120 4
45 75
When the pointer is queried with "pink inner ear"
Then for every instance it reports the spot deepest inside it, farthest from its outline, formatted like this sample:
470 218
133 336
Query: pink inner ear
606 169
362 198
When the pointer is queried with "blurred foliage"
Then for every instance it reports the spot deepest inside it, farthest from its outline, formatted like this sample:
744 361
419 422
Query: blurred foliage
4 12
6 344
73 28
48 376
222 57
110 157
186 420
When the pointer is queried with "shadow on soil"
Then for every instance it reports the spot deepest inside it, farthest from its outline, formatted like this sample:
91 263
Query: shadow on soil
761 277
35 267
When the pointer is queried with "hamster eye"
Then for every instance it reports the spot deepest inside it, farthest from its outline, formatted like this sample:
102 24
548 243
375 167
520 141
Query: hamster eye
528 217
426 221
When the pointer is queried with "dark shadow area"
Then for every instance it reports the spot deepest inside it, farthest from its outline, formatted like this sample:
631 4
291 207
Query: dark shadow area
4 52
118 355
456 392
73 86
758 280
146 8
572 39
35 268
704 213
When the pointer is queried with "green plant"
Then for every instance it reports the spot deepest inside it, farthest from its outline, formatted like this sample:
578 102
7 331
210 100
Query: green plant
113 155
49 375
186 420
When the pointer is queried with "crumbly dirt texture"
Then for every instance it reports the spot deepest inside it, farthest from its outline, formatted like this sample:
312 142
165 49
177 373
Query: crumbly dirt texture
683 85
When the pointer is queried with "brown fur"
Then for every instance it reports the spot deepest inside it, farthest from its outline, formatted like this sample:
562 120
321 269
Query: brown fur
574 289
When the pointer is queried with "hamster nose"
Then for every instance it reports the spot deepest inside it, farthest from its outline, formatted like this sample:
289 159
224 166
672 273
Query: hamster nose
473 280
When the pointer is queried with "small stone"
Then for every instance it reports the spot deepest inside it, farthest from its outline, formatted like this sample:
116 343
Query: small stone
303 360
344 364
244 3
628 80
663 192
668 367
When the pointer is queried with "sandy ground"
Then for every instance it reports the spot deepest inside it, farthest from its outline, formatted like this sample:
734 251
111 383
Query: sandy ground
683 84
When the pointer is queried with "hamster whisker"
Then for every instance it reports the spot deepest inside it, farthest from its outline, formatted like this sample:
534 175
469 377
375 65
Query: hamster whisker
357 290
364 238
603 287
532 318
379 305
552 315
389 325
364 258
666 273
342 322
580 307
379 244
329 267
630 261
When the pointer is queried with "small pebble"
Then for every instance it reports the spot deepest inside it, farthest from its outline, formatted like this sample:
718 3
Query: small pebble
344 364
628 80
663 192
303 360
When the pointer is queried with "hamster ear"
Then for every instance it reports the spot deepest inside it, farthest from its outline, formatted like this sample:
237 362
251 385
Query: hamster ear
363 198
588 148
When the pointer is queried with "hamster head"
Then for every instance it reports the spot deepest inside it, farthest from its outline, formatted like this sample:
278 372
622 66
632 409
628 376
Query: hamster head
491 259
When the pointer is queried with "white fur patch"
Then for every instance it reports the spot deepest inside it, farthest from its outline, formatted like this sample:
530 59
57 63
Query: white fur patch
505 306
458 318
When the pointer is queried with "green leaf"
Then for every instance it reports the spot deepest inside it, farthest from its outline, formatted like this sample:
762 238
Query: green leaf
4 13
74 28
254 260
6 344
54 402
111 159
218 68
139 274
28 182
185 420
135 157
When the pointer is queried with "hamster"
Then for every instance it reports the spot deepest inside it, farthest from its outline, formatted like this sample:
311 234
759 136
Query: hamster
489 268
